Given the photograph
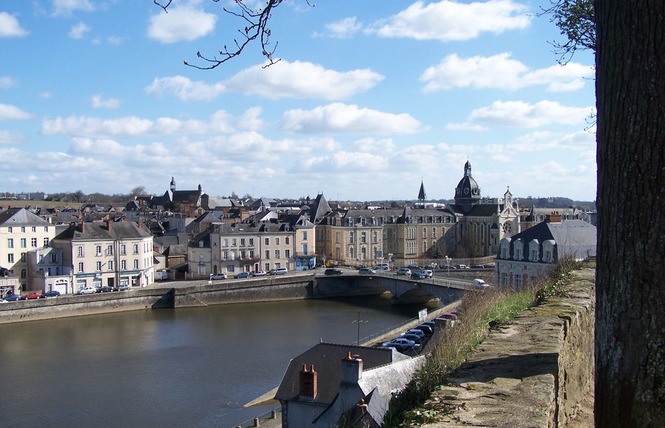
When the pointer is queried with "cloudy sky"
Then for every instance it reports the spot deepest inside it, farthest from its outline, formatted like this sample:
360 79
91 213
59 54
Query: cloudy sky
369 98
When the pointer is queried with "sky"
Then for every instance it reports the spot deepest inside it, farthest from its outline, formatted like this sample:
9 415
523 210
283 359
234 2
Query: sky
368 99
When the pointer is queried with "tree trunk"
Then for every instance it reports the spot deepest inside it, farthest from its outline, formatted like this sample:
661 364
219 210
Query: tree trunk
630 295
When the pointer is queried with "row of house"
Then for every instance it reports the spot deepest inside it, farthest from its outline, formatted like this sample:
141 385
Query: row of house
193 236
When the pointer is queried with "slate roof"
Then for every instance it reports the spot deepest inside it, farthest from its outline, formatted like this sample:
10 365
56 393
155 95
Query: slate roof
574 238
99 231
12 217
327 360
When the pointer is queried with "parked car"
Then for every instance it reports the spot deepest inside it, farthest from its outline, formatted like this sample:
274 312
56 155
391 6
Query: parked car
425 329
242 275
32 295
259 273
105 289
404 271
433 265
218 276
417 332
418 275
462 266
279 271
428 273
382 266
414 337
481 284
366 271
88 290
13 297
50 293
333 271
405 342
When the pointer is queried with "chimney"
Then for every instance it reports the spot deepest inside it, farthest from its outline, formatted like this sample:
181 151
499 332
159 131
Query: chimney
352 369
308 382
553 217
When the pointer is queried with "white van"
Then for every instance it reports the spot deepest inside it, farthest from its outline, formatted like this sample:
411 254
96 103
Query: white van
382 266
479 283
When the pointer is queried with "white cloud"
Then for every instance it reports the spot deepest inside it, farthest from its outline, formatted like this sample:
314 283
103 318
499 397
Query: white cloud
371 145
98 102
184 88
345 118
133 126
449 20
181 23
344 28
67 7
501 72
9 137
302 80
79 31
525 115
10 27
6 82
10 112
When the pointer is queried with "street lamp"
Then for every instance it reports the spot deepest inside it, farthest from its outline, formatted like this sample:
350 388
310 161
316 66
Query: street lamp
448 264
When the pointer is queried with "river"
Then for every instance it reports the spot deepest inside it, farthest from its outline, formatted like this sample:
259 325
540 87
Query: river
170 368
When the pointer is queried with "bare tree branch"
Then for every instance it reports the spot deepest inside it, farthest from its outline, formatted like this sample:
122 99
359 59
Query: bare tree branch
255 27
576 21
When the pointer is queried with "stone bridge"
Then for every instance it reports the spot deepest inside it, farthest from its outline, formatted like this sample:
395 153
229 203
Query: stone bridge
403 288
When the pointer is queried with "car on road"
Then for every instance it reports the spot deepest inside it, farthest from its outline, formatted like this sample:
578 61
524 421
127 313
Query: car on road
218 276
13 298
418 333
279 271
32 295
404 271
242 275
366 271
333 271
429 273
418 275
105 289
259 273
409 344
50 293
87 290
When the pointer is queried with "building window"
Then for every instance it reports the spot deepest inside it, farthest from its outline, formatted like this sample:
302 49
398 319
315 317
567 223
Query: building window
363 237
22 229
375 237
123 264
434 233
277 254
81 267
10 243
266 241
109 250
98 250
110 265
10 258
24 273
225 242
304 249
267 254
234 242
277 242
304 235
123 249
286 240
251 254
54 257
135 248
99 266
46 241
242 242
79 251
24 243
287 253
136 264
251 242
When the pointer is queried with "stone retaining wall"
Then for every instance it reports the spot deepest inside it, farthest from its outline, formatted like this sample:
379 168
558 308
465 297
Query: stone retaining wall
533 371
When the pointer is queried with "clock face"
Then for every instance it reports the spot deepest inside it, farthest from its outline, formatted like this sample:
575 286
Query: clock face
474 191
466 190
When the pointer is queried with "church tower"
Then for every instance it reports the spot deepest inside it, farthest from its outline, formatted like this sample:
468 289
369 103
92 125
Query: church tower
172 187
467 192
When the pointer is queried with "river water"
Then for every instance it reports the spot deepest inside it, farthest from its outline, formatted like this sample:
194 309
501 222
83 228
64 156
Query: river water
169 368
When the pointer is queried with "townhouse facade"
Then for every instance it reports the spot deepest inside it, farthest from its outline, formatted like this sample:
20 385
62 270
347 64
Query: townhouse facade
20 232
115 254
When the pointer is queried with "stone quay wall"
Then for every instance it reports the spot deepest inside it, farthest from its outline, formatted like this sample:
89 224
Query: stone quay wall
533 371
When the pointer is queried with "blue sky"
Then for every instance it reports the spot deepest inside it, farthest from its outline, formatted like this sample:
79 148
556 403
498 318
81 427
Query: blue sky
370 97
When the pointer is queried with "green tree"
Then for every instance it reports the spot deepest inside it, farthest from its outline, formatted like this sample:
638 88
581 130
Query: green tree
576 21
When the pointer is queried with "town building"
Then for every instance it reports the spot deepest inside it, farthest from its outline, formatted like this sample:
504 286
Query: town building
342 385
115 254
20 232
538 249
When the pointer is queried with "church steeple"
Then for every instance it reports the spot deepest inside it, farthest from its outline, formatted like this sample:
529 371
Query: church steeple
422 196
172 187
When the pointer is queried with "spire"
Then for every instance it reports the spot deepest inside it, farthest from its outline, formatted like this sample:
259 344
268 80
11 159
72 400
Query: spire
422 196
172 187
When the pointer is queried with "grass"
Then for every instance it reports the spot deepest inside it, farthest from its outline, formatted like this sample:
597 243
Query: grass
480 313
